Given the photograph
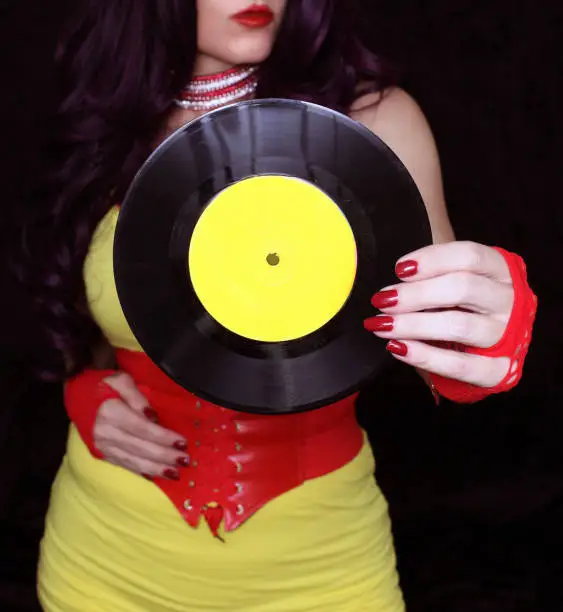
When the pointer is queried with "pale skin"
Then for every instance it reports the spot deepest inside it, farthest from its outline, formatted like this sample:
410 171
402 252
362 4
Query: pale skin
462 291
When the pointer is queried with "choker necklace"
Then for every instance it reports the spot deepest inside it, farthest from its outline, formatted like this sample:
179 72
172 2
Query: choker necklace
205 93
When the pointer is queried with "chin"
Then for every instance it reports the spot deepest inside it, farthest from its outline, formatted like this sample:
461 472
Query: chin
248 51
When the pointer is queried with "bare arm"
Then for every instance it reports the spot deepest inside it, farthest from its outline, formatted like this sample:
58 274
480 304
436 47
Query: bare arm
399 122
456 292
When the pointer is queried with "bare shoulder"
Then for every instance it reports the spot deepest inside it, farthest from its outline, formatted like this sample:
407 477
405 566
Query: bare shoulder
392 101
396 118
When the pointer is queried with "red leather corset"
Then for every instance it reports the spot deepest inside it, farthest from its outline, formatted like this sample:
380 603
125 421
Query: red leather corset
241 461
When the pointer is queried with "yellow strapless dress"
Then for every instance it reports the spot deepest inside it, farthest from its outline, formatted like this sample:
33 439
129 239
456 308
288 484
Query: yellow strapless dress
115 543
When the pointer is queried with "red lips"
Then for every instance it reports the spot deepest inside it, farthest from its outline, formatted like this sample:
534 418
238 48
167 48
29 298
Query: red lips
255 16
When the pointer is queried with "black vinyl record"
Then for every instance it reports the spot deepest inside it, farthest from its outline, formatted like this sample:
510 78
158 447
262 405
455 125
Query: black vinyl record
166 200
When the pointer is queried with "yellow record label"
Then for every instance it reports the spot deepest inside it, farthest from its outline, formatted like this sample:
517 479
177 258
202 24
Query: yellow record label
272 258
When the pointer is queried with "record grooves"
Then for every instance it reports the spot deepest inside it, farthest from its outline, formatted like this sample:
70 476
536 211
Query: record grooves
205 216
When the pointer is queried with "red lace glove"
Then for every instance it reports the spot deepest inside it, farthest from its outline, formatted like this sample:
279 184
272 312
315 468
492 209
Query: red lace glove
83 396
514 343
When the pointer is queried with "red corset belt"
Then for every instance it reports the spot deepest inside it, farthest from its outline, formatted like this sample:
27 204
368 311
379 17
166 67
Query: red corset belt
241 461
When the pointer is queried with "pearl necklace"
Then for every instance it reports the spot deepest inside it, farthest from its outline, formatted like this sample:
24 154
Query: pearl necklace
205 93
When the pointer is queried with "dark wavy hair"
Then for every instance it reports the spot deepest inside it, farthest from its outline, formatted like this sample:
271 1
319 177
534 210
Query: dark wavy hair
121 63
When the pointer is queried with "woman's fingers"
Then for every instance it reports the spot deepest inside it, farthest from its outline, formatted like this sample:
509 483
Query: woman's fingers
140 465
449 325
116 415
462 256
164 454
472 369
128 434
130 394
459 293
122 434
140 420
456 289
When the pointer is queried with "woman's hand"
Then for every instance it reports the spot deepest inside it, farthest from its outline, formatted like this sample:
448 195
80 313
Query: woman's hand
127 433
458 292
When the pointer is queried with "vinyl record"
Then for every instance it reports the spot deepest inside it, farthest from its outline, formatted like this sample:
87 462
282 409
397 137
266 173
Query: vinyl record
249 246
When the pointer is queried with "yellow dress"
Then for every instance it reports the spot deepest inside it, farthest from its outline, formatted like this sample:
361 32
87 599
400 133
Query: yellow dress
115 543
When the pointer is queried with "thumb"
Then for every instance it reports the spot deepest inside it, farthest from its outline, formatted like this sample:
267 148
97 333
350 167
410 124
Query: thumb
124 384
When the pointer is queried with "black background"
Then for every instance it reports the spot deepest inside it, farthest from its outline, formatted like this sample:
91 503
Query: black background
476 493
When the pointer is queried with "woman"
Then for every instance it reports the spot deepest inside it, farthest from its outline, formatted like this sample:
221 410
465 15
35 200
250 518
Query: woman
298 520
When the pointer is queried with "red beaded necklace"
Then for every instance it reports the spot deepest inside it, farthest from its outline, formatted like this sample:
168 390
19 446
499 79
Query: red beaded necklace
205 93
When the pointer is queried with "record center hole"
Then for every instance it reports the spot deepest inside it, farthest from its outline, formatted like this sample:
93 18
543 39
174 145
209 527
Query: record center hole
273 259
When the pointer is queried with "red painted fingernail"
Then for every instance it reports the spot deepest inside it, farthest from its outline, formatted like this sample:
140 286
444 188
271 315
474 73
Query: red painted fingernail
397 348
385 299
183 461
180 445
171 474
150 414
380 324
406 269
147 476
